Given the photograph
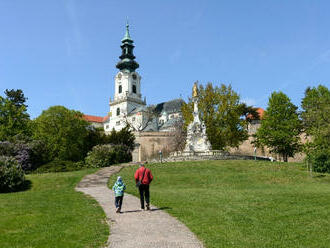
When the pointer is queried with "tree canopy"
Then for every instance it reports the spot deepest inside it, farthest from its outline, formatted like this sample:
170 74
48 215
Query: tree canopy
280 127
64 132
316 120
221 110
14 118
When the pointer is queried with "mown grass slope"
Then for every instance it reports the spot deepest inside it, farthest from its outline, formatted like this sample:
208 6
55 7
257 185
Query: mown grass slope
52 214
243 203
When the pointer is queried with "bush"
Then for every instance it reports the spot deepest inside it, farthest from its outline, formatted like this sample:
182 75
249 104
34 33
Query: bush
6 148
11 175
320 160
28 153
106 155
60 166
19 151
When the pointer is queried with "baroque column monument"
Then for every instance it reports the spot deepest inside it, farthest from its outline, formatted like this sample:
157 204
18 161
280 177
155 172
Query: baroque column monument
197 140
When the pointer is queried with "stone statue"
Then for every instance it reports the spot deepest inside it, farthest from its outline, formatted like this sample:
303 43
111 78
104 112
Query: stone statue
197 140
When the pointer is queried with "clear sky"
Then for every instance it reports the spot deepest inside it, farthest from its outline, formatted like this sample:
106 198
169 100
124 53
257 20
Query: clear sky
64 52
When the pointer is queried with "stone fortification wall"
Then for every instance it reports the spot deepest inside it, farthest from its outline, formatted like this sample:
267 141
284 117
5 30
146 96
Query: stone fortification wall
246 148
150 143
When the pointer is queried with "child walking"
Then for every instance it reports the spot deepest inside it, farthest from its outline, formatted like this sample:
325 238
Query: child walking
119 188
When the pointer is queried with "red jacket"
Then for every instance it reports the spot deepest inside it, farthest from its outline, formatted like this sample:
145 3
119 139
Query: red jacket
147 175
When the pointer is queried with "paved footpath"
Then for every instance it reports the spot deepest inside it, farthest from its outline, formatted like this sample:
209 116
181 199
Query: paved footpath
133 227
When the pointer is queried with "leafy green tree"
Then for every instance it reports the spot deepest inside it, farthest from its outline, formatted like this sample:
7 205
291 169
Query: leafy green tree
64 132
16 97
316 121
124 137
221 111
280 127
14 118
249 113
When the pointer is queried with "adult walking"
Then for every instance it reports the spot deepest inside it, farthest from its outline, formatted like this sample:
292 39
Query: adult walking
143 178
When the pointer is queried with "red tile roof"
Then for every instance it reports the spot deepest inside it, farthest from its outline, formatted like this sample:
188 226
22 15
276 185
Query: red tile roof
261 113
93 118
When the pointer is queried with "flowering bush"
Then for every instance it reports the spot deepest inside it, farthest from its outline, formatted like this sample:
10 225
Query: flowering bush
11 174
29 154
106 155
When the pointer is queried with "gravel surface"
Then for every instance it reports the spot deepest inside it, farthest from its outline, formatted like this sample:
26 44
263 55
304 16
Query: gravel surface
134 227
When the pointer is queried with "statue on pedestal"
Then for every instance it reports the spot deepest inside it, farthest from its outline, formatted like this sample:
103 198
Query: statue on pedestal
197 140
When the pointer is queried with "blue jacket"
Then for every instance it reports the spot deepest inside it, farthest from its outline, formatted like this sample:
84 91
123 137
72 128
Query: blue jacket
119 188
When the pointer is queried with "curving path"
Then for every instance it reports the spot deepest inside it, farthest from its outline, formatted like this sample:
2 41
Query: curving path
133 227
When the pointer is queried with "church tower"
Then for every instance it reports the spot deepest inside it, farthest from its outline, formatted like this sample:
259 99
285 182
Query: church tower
127 97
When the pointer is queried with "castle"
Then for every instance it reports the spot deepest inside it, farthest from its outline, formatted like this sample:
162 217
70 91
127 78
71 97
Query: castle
128 106
153 126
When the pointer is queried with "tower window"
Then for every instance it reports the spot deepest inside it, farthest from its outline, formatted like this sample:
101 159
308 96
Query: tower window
134 88
120 89
118 111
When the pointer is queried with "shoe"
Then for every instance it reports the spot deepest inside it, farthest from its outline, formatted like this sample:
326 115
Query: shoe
148 207
142 208
117 210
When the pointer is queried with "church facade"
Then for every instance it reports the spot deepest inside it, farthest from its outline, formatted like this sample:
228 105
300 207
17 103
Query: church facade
128 106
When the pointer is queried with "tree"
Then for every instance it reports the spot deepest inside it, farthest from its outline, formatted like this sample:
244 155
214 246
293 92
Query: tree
64 132
249 113
124 137
14 118
316 122
221 111
180 135
280 127
146 116
16 97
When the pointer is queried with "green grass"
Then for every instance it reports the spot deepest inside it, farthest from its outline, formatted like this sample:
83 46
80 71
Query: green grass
51 214
243 203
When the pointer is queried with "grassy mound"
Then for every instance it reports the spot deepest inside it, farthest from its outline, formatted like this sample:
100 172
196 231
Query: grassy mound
51 214
243 203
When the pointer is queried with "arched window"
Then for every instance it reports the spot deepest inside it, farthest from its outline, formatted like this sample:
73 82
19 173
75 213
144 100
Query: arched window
120 89
118 111
134 88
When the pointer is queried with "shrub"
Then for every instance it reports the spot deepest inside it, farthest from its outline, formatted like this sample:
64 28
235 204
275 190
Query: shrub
6 148
38 153
106 155
60 166
320 160
11 175
28 153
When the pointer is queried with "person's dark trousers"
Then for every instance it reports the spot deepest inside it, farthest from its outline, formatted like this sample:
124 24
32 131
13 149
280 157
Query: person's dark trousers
144 193
119 201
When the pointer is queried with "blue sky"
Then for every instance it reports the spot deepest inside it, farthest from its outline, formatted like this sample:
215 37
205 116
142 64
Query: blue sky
64 52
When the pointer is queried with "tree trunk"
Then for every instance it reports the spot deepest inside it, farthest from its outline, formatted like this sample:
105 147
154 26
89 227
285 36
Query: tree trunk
285 157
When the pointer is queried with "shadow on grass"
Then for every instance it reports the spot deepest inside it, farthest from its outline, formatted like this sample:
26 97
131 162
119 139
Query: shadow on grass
161 208
319 176
24 187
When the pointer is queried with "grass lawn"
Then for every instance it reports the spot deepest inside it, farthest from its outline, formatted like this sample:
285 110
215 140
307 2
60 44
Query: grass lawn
51 214
243 203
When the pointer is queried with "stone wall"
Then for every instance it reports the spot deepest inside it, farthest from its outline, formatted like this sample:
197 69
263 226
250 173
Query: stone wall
246 148
150 143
